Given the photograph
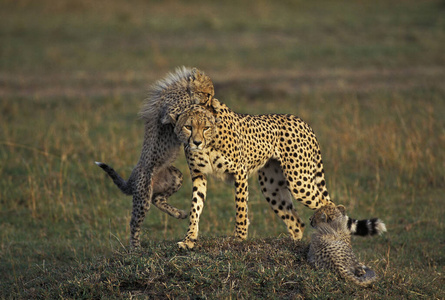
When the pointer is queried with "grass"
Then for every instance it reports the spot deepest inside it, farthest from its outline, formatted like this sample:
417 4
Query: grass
368 77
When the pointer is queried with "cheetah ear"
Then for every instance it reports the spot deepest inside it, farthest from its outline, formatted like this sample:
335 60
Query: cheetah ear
342 209
323 217
169 119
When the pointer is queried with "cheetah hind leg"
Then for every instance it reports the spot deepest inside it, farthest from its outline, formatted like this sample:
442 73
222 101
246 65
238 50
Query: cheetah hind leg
166 182
141 205
274 188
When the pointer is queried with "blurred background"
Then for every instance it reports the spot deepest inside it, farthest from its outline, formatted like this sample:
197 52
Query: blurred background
368 76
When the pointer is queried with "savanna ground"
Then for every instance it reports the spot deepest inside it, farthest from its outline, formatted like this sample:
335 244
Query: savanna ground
369 76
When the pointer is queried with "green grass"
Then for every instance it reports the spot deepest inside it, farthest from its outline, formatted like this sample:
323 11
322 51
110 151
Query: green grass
368 77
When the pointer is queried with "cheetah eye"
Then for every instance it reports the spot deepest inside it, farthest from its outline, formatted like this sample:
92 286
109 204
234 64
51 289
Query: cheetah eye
188 127
206 128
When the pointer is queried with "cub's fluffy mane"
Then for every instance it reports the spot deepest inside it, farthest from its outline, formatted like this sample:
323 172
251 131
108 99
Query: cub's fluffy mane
334 227
177 80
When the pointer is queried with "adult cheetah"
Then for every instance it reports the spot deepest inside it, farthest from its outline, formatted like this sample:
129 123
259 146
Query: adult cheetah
282 148
331 248
154 179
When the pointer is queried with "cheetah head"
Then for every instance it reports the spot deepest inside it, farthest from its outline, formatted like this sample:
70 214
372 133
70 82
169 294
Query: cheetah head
327 214
196 127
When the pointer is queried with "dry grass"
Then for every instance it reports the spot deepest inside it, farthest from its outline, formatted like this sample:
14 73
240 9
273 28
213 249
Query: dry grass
368 77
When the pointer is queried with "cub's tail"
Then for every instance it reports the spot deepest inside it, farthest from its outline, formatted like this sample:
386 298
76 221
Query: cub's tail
367 227
119 181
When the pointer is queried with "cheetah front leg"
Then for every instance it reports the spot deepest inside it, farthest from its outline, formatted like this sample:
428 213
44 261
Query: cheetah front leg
241 199
198 199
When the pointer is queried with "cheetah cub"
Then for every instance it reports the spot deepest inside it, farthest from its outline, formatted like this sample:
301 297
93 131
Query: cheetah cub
331 248
154 179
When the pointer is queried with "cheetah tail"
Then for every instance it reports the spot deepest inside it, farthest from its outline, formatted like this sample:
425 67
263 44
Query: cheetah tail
367 227
119 181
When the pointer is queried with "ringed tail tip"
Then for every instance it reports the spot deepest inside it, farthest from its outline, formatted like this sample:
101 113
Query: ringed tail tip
381 227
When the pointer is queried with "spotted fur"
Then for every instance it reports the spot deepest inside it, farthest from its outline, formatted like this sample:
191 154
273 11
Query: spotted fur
282 148
331 248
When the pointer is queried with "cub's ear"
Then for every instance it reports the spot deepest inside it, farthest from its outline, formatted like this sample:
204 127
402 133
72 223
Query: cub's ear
169 119
215 104
342 209
323 217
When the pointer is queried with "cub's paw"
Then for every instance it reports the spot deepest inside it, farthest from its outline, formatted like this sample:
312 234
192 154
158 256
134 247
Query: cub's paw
182 214
135 245
178 214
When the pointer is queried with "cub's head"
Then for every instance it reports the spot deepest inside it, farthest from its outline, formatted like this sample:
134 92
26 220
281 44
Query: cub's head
195 127
201 88
327 214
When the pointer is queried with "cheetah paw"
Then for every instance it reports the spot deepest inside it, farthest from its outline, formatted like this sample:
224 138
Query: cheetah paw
186 245
240 238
